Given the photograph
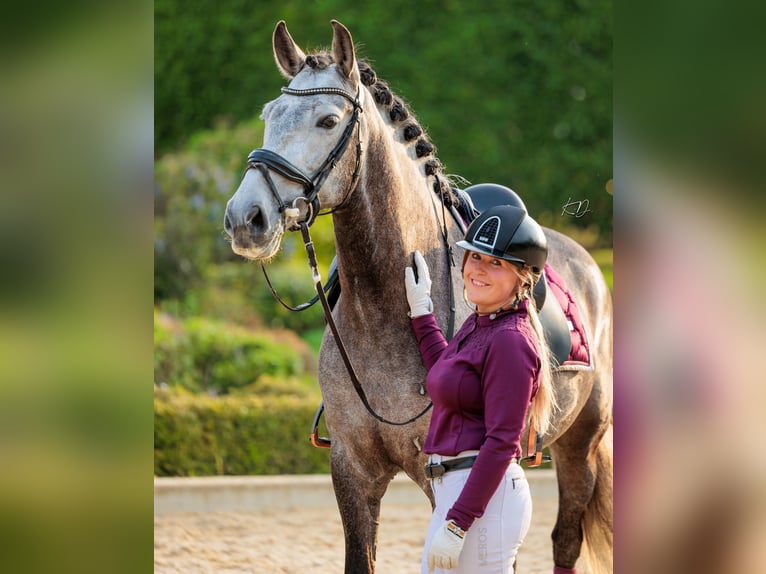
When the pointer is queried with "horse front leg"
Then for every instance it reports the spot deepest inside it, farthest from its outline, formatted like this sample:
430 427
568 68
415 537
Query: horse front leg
358 494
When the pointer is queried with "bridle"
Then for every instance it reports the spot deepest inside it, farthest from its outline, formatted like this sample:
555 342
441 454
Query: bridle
264 160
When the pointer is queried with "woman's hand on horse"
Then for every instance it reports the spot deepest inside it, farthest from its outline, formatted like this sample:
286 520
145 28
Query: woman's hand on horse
418 290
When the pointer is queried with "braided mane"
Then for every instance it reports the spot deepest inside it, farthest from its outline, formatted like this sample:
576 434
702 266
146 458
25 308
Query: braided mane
411 130
402 117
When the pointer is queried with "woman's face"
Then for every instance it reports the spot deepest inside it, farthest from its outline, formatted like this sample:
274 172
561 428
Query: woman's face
490 282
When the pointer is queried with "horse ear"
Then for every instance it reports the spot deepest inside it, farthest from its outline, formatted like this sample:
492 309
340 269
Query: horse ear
288 55
343 50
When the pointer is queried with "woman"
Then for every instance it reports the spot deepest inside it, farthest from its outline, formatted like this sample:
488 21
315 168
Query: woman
481 384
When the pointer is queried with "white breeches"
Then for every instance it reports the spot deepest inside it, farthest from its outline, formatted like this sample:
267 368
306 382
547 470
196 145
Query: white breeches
493 540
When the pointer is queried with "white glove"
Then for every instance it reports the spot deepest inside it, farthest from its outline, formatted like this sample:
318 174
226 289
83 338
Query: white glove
446 546
418 293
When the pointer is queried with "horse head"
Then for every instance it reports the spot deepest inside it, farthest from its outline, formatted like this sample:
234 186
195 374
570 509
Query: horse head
302 166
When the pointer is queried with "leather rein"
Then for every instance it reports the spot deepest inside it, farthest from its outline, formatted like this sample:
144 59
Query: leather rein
265 160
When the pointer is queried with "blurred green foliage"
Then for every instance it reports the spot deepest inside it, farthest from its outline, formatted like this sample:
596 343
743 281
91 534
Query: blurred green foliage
195 270
605 260
191 188
518 93
215 357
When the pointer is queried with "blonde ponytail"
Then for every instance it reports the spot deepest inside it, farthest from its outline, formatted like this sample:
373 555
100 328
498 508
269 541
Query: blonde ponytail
544 402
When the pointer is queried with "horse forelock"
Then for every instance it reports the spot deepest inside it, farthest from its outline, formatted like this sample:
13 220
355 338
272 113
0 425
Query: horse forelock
319 61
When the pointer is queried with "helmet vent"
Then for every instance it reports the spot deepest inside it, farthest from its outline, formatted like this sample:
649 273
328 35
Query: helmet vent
487 234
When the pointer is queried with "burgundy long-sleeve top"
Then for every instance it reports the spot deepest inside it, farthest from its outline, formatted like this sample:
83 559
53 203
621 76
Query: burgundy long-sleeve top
481 384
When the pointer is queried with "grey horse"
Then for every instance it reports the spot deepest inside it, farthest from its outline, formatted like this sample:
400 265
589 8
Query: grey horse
338 140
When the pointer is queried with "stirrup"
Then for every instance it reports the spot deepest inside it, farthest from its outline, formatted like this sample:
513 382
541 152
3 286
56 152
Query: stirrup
316 440
535 456
536 459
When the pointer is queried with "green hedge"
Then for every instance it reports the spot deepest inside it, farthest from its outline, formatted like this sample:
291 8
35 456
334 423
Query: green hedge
199 435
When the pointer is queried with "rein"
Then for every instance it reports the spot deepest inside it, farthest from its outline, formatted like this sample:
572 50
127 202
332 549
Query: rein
332 281
336 335
450 263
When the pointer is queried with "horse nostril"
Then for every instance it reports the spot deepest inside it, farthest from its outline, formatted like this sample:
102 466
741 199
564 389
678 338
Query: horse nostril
227 226
255 218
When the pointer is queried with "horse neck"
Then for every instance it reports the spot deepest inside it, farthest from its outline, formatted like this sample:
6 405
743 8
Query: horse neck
389 216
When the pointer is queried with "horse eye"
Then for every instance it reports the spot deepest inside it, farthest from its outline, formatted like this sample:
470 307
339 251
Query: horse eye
328 122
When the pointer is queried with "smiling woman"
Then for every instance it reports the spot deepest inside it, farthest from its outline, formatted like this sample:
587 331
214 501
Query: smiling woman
502 242
484 383
489 282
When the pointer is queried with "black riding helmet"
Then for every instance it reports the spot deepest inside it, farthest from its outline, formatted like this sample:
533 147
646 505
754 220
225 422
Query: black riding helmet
508 232
486 195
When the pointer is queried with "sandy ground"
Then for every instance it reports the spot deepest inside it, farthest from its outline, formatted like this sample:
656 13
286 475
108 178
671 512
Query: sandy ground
309 540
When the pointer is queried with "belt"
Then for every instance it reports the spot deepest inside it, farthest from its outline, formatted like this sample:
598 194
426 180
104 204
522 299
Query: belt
438 469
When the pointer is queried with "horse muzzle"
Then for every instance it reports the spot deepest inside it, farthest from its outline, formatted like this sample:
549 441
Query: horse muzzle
252 235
